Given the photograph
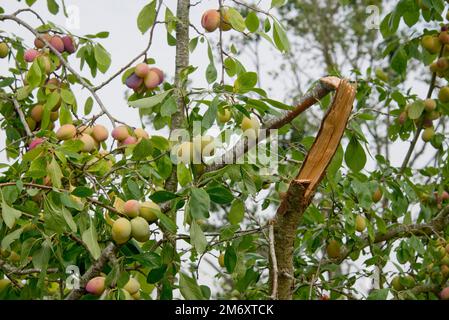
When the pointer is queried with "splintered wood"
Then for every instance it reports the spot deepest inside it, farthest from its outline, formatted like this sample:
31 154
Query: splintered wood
328 138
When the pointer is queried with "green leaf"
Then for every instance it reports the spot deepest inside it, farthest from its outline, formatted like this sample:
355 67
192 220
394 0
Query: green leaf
9 214
169 107
34 75
10 238
68 97
189 288
150 101
142 150
237 212
102 57
415 109
163 196
277 3
245 81
52 6
166 222
230 259
236 20
378 294
82 192
55 173
146 17
211 73
199 203
184 175
399 61
220 194
211 114
355 156
280 37
252 22
197 237
89 237
88 105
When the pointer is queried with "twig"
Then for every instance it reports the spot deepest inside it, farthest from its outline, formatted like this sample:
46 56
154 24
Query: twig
22 118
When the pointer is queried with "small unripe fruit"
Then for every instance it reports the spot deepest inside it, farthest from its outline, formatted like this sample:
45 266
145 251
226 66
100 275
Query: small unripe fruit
120 133
121 230
408 281
129 141
402 118
141 134
396 283
69 44
4 50
377 195
159 73
433 115
360 223
221 260
210 20
333 249
38 43
30 55
37 112
444 37
133 82
442 64
57 43
443 95
35 142
89 143
142 70
100 133
31 123
151 80
224 115
66 132
444 294
427 123
4 283
250 125
131 208
96 286
428 134
54 116
444 270
430 105
148 211
53 84
140 230
132 286
431 44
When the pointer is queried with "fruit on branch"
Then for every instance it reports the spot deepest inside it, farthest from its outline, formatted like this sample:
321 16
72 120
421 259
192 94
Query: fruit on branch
210 20
159 73
444 294
69 44
38 43
30 55
431 43
152 80
53 84
250 126
428 134
442 64
430 105
100 133
54 116
96 286
396 283
129 141
89 143
408 281
37 112
221 260
444 270
149 211
120 133
66 132
225 23
141 134
443 95
4 283
57 43
427 123
439 199
4 50
131 208
224 115
140 229
132 286
360 223
31 123
121 230
142 70
35 142
133 82
333 249
377 195
444 37
433 115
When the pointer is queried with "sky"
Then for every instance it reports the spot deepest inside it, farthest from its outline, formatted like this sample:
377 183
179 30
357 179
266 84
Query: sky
126 41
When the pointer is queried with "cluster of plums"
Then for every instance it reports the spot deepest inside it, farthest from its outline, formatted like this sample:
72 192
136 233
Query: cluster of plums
144 77
97 285
61 43
128 136
212 20
135 224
